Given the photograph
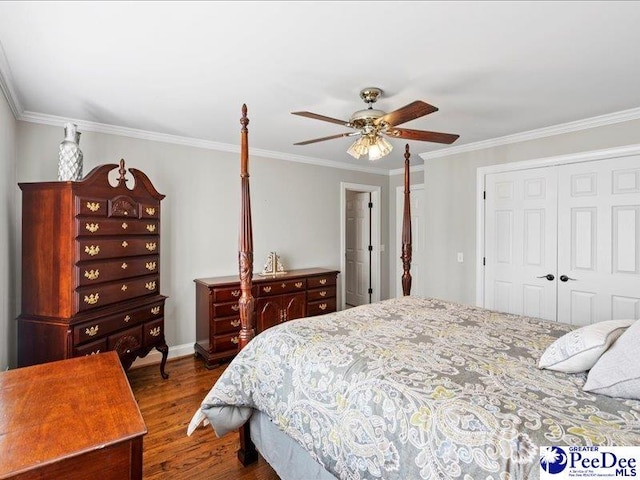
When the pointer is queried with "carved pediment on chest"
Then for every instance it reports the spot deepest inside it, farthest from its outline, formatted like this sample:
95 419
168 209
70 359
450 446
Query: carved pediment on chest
123 206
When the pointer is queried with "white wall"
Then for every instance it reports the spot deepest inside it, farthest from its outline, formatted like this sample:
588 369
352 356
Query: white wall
8 287
451 200
296 209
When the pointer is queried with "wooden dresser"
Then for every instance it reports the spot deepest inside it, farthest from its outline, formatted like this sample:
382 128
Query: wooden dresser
296 294
50 429
91 268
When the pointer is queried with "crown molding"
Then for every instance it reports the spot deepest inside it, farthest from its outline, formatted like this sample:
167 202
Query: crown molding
6 85
88 126
400 171
600 121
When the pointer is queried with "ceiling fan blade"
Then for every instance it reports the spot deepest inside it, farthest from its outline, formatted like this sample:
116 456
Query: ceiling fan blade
423 135
412 111
321 117
347 134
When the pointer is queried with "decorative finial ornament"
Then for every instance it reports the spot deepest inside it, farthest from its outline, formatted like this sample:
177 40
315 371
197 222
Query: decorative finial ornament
244 121
122 171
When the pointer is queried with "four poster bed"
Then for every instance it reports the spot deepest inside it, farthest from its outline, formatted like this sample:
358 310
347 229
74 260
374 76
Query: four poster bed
405 388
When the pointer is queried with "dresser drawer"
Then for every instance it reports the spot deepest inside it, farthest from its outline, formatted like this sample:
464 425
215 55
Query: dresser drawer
103 294
321 294
93 348
225 325
93 227
286 286
149 210
153 331
97 248
225 309
107 325
321 307
226 294
222 343
90 273
91 206
321 281
127 341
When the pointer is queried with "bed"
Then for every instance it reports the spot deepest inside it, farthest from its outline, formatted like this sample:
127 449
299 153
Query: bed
406 388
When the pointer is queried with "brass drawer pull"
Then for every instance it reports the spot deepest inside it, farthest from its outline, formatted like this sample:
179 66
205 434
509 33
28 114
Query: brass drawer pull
299 285
92 274
125 244
154 332
124 266
92 227
92 299
92 331
151 246
235 323
150 285
151 228
150 266
155 310
323 293
124 225
266 289
93 206
234 340
150 210
127 318
123 288
93 353
323 281
235 293
235 308
283 285
323 306
91 250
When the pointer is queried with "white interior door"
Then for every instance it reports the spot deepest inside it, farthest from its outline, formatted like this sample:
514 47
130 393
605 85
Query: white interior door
520 242
599 241
418 238
358 239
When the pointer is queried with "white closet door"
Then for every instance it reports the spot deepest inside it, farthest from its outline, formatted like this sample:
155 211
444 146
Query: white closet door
357 248
520 242
599 241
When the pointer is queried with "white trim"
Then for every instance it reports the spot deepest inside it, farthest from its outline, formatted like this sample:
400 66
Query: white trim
6 85
600 121
155 356
375 237
400 171
482 172
89 126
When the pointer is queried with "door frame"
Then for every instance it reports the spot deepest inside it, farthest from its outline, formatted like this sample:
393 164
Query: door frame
482 172
376 197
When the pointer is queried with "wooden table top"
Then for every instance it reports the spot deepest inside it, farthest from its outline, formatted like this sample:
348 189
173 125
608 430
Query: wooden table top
62 409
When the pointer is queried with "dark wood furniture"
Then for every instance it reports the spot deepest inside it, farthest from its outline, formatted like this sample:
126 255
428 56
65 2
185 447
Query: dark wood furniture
91 269
296 294
247 452
72 419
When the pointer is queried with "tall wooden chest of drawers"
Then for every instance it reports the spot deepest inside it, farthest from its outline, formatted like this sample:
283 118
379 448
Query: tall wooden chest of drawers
91 269
296 294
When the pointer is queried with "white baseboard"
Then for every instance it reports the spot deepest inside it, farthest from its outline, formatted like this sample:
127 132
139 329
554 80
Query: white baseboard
155 356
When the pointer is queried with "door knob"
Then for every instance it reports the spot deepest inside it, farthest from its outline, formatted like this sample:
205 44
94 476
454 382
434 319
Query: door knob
564 278
548 276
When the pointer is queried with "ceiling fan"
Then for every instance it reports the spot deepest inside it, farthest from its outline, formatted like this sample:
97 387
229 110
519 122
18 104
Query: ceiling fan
373 125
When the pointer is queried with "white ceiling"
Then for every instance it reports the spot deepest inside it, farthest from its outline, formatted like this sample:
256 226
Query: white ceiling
185 68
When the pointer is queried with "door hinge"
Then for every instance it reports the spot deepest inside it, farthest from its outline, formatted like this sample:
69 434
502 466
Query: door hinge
370 248
370 204
484 260
370 291
484 195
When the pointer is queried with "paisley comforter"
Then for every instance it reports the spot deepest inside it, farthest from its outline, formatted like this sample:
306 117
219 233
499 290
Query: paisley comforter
415 388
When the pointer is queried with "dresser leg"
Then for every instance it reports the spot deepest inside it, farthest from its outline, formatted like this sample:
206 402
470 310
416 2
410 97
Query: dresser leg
164 350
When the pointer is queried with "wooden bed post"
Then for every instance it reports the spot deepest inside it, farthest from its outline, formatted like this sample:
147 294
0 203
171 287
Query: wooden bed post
247 453
406 227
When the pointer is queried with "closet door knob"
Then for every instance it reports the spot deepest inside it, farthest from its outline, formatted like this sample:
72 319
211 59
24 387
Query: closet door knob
564 278
548 276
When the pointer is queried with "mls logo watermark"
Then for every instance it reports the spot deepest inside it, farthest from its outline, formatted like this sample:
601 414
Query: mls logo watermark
564 462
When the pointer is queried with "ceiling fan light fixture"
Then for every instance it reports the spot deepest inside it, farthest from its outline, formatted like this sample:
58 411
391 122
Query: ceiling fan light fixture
379 147
359 148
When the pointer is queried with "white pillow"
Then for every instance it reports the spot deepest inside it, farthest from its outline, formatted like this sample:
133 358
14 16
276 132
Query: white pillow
617 372
580 349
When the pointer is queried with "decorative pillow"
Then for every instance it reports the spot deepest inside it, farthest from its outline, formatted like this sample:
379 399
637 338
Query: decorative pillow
580 349
617 372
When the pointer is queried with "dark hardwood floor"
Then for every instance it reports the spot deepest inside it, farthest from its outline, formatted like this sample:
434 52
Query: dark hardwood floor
167 407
